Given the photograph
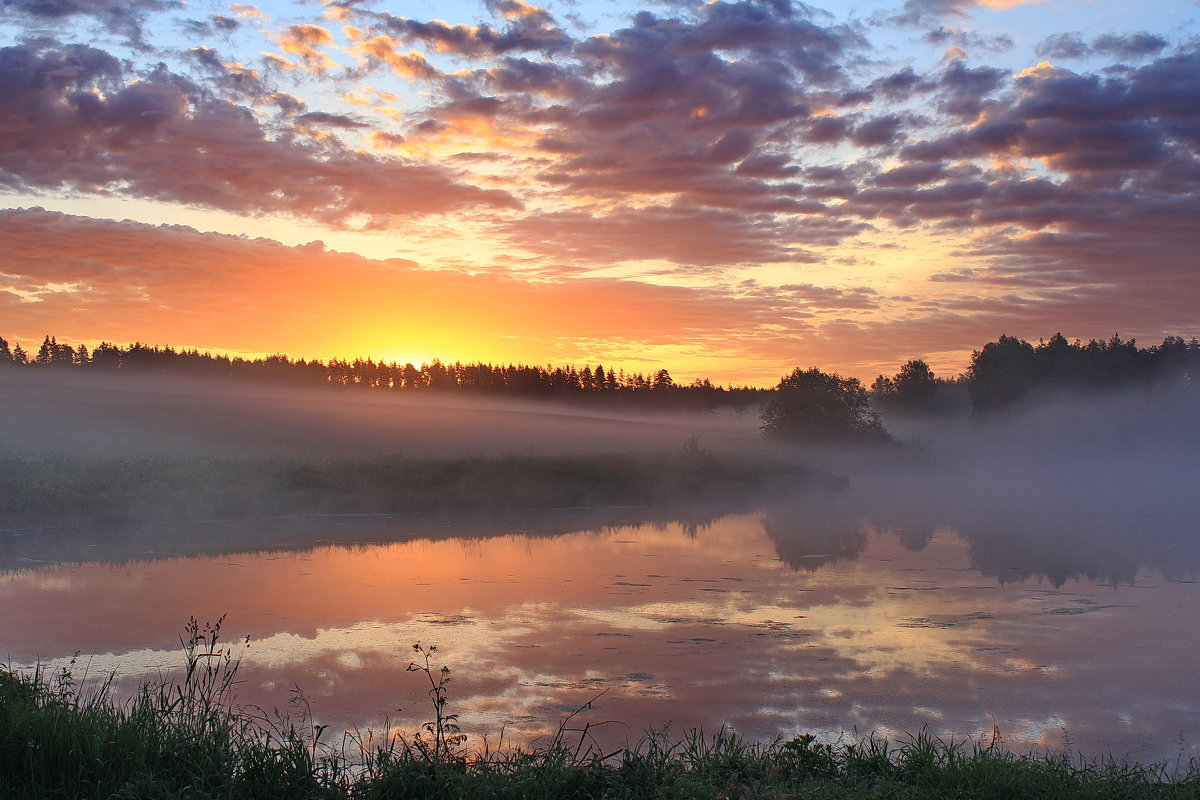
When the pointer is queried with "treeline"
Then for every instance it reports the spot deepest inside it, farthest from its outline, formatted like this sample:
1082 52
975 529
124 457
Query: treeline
1006 370
1001 373
1010 369
588 383
915 390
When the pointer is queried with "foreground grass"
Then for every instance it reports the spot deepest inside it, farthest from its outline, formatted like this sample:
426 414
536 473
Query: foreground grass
154 489
187 740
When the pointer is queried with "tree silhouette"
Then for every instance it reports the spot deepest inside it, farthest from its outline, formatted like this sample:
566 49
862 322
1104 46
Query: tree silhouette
1000 373
815 406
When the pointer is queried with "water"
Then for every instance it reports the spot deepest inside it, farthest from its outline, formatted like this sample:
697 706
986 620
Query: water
1071 631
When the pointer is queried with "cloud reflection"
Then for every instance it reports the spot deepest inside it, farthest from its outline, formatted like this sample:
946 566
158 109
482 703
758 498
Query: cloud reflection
729 623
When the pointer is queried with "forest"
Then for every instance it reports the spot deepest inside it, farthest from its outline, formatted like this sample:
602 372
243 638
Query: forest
563 383
999 375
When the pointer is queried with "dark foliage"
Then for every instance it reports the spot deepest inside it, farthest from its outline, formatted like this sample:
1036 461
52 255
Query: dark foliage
1010 369
598 385
815 406
915 390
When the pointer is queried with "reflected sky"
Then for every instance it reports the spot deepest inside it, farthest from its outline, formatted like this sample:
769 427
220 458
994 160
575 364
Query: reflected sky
813 617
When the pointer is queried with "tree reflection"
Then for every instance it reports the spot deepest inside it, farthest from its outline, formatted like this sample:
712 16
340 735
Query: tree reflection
810 536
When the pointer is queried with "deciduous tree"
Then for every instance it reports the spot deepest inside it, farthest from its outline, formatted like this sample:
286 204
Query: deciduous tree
815 406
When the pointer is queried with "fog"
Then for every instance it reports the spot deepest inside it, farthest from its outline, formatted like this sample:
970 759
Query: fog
1137 448
1068 479
1060 487
1134 449
49 413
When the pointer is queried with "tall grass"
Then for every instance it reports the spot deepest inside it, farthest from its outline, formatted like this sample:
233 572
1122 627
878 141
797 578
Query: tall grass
66 738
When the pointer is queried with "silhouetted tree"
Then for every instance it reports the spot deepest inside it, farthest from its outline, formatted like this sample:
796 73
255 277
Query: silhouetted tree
613 383
916 390
1000 373
106 356
882 387
916 387
1113 362
1010 368
1059 362
51 353
811 405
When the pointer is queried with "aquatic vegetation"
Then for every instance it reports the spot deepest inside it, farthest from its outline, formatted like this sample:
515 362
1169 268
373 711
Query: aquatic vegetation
61 738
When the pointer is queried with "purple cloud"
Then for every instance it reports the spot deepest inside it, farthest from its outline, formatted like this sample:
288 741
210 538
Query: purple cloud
75 122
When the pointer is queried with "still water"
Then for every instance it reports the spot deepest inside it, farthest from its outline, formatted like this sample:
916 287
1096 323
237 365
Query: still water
1056 631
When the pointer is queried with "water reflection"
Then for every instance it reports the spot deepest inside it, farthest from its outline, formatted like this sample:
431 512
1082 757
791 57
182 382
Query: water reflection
824 615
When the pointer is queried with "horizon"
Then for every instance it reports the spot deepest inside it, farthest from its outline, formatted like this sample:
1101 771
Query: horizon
680 379
728 189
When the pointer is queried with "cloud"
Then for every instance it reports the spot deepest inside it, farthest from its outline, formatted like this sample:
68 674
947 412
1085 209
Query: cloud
527 30
1079 124
306 42
232 81
1063 46
686 114
324 119
688 236
410 65
124 17
964 90
701 139
1068 46
175 285
916 13
964 39
73 121
215 25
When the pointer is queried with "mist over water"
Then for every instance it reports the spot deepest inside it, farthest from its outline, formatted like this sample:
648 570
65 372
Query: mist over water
1005 571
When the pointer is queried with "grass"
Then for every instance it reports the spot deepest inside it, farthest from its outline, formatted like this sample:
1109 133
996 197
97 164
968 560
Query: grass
188 739
60 490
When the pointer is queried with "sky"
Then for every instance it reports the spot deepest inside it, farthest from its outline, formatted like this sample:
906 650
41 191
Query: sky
725 189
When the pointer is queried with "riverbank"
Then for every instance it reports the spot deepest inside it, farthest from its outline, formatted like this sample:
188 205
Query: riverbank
52 491
187 739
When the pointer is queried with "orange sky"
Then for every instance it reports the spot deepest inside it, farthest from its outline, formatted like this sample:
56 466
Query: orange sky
728 190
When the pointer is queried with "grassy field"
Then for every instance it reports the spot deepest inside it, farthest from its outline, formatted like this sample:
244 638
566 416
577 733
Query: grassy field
78 490
187 739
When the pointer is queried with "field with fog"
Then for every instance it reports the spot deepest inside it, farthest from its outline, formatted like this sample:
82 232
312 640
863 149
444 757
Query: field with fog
66 413
78 440
95 449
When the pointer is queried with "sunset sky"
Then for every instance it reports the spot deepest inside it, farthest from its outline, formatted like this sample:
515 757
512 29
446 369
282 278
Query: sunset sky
727 189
